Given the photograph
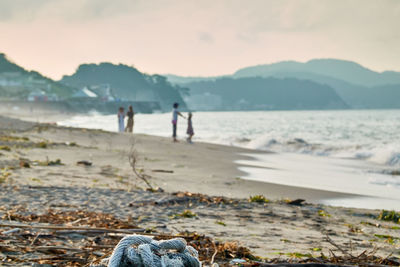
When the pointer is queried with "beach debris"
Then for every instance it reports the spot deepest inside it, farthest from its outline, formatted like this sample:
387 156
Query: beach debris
4 175
42 144
388 238
259 199
296 202
155 190
9 138
14 230
7 143
81 238
77 238
71 144
148 253
5 148
23 163
184 214
84 163
392 216
163 171
354 229
54 162
48 162
236 261
323 213
133 158
75 218
192 197
395 172
220 223
188 199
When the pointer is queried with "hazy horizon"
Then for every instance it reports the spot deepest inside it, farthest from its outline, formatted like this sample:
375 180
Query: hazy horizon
191 38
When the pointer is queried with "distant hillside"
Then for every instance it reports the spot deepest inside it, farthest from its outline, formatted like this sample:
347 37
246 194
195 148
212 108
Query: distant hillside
17 83
7 66
258 93
175 79
127 83
347 71
359 87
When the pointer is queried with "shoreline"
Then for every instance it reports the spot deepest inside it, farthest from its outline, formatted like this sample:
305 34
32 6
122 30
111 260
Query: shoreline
212 169
39 175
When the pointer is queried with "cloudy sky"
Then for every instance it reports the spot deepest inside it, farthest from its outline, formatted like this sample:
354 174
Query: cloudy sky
197 37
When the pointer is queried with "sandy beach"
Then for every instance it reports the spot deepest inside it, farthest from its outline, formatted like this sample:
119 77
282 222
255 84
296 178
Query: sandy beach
40 172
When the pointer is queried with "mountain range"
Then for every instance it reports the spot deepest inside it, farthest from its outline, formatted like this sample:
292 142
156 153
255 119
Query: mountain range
358 86
259 93
120 82
316 84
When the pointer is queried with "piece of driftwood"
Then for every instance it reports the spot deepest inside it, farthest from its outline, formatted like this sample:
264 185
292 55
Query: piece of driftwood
74 228
297 202
164 171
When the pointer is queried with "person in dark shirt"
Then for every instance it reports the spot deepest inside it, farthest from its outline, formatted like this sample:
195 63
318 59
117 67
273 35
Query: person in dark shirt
175 113
129 125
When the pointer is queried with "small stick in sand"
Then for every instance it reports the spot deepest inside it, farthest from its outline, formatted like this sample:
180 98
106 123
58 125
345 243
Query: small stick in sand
133 161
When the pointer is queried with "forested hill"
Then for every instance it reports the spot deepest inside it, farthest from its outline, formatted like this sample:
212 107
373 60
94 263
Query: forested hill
256 93
348 71
358 86
17 82
127 83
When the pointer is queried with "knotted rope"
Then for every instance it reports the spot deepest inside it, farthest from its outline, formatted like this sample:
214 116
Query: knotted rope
151 253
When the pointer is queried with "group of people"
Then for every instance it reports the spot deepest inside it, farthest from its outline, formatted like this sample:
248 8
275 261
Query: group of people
189 130
121 120
175 113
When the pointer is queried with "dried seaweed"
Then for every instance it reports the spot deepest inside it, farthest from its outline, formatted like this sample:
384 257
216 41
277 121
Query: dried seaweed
79 238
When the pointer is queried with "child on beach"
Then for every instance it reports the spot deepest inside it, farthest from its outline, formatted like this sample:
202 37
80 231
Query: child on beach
121 117
175 114
189 130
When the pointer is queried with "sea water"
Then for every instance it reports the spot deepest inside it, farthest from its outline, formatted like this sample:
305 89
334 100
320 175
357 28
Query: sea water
348 151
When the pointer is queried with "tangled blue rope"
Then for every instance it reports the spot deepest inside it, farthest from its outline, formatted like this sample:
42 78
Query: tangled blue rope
143 251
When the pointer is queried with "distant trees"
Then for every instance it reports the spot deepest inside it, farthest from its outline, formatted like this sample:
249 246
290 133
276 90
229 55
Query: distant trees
258 93
127 83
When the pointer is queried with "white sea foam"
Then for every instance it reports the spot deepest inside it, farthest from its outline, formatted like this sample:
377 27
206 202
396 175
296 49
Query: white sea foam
371 135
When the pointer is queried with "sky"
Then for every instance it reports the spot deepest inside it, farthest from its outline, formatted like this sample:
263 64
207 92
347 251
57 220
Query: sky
197 37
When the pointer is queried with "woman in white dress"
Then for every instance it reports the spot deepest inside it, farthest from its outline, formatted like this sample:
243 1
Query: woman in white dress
121 117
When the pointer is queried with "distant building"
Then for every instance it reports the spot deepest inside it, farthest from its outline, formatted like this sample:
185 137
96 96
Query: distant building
104 92
84 93
37 96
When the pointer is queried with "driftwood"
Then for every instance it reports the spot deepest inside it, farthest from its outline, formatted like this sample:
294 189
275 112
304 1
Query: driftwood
132 157
164 171
74 229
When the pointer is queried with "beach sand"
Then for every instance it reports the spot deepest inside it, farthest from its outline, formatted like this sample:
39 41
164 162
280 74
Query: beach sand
109 185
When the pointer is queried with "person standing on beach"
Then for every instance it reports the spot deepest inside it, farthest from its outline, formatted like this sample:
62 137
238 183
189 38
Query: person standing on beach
175 114
121 116
189 130
129 125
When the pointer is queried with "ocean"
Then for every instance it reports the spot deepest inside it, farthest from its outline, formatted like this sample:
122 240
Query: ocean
348 151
